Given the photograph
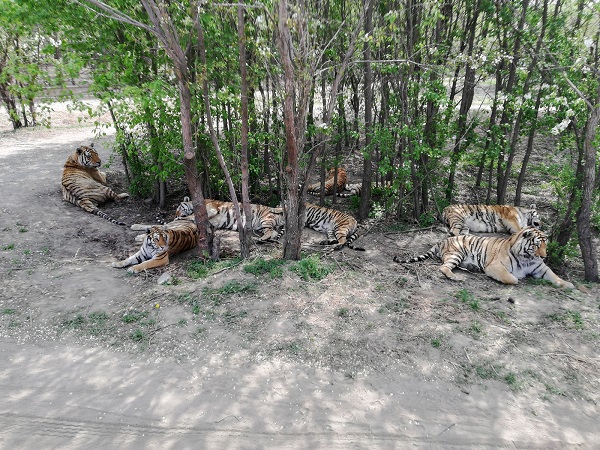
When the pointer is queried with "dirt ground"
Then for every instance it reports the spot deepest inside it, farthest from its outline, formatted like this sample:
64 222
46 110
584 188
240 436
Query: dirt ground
374 355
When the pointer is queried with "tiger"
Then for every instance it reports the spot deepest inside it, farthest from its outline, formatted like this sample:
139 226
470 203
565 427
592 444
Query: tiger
356 189
221 215
161 242
342 179
265 219
505 259
84 185
462 219
341 228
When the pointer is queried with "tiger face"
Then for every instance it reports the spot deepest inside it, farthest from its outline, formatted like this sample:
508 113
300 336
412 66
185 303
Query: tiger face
185 208
88 157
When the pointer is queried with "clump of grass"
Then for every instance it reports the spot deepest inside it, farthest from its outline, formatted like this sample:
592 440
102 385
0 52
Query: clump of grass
138 335
134 316
311 268
8 311
436 343
273 267
216 295
395 306
568 318
467 297
201 268
8 247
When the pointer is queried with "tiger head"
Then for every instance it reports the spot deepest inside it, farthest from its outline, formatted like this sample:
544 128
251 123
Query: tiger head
531 243
533 218
185 208
157 238
87 156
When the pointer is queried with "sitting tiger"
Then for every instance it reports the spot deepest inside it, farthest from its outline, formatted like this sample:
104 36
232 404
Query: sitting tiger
221 216
341 228
84 185
342 179
160 242
505 259
463 219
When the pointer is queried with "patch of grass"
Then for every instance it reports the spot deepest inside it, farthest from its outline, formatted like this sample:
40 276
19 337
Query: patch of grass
234 316
343 312
138 335
75 323
511 379
8 247
436 343
23 230
568 318
134 316
216 295
8 311
476 327
182 323
394 306
487 372
201 268
311 268
273 267
467 297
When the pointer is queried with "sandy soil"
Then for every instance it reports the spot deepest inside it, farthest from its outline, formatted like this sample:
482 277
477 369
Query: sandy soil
375 355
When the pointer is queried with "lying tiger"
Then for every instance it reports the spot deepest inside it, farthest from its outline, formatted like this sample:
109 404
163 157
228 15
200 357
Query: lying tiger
84 185
340 228
463 219
161 242
269 221
329 187
505 259
356 189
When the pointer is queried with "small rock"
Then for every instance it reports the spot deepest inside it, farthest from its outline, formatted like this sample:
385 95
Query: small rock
164 278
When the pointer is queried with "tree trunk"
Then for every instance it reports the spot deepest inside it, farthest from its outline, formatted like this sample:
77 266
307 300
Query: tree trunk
245 232
365 195
588 251
293 219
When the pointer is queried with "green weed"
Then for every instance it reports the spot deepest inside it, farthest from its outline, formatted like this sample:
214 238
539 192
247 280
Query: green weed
311 268
273 267
8 247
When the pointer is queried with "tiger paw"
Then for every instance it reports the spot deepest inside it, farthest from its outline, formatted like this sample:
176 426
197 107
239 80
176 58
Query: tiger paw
122 196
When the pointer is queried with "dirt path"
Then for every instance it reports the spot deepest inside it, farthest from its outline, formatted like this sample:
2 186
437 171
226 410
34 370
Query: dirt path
378 362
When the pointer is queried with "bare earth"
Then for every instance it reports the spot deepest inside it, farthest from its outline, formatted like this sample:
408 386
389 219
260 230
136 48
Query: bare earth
375 355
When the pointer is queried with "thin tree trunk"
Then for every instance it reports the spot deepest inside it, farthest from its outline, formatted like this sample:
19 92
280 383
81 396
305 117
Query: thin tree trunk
244 232
588 251
365 195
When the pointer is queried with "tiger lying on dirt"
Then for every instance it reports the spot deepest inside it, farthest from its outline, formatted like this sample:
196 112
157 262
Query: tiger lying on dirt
505 259
159 243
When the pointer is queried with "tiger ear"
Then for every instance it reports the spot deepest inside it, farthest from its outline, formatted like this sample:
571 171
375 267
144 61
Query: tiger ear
186 199
92 145
527 234
532 206
79 151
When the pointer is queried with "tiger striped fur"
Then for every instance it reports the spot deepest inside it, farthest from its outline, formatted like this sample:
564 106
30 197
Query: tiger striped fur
329 188
462 219
221 215
160 243
84 185
340 228
265 219
356 189
505 259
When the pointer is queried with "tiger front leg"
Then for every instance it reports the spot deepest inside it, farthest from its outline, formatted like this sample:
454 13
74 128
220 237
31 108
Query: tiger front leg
544 272
498 272
157 261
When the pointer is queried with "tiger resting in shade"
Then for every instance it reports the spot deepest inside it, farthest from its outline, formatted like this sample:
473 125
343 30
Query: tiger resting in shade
505 259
